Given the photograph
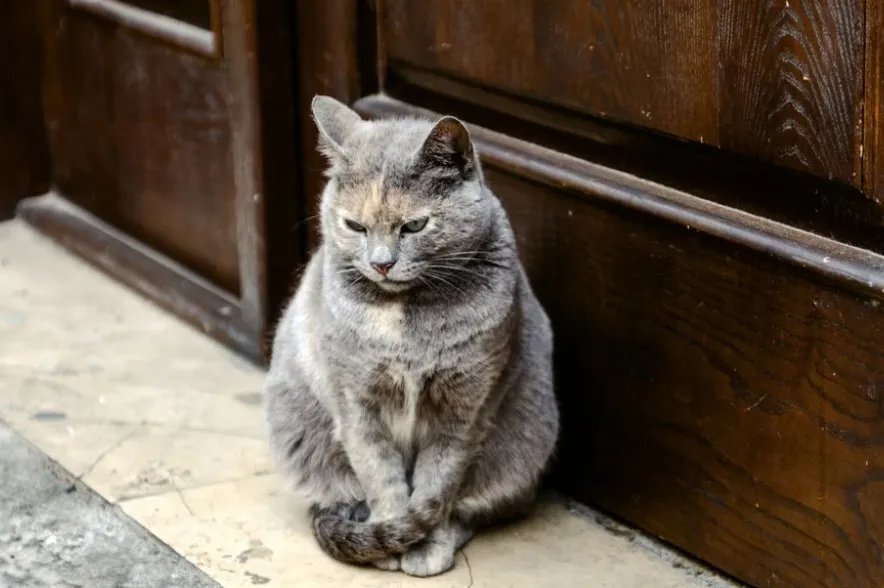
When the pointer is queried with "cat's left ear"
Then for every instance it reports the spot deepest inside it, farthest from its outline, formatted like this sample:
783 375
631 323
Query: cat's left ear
335 122
448 147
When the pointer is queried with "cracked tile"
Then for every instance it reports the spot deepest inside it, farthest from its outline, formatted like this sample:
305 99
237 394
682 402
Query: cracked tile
156 460
76 446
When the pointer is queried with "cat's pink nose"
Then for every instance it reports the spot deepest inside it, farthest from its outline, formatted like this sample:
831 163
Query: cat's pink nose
383 268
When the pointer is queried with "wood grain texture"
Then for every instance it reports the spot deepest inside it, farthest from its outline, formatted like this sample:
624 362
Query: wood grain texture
792 83
873 131
140 136
645 63
830 209
775 80
24 153
725 399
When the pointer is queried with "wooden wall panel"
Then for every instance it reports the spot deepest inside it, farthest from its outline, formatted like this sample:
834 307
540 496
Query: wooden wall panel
722 402
791 85
777 81
140 136
651 64
24 154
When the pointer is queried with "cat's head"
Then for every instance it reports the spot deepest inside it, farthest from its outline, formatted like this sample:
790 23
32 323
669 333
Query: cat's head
405 203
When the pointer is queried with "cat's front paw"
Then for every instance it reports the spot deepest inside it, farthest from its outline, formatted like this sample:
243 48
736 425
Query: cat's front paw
428 559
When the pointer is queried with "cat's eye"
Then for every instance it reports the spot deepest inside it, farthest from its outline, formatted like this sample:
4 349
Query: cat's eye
354 226
415 225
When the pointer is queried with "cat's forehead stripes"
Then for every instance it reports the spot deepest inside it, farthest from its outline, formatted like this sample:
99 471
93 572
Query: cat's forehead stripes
373 205
376 203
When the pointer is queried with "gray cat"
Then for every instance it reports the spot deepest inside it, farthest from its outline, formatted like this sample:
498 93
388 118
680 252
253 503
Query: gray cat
410 393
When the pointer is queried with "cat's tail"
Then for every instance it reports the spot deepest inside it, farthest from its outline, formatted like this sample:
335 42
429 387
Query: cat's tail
364 542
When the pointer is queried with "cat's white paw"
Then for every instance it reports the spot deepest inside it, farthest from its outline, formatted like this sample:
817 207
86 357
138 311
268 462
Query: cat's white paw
391 564
428 559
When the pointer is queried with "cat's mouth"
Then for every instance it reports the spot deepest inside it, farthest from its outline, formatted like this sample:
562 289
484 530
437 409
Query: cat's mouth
391 285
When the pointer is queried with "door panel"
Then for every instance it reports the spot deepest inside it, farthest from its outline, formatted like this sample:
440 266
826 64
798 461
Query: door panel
140 136
775 81
174 162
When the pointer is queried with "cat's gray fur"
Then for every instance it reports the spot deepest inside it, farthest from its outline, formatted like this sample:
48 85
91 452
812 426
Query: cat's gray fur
411 409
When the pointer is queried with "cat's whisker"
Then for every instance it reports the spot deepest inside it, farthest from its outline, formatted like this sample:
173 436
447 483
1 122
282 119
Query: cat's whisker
444 279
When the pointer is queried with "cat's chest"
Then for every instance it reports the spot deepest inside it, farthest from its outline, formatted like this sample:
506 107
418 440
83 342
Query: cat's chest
391 334
382 323
403 391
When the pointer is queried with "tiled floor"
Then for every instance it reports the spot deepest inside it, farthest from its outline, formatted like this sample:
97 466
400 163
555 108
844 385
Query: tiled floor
167 424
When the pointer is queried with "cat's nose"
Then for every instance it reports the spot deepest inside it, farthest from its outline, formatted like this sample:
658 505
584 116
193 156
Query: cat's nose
383 268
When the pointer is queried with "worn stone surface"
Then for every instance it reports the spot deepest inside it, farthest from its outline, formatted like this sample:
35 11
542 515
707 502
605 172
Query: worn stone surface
56 533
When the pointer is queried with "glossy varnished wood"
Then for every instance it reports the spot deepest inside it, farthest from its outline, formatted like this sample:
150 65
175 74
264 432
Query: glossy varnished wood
777 81
791 83
720 375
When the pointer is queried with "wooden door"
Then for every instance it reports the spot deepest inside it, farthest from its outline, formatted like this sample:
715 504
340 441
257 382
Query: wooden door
695 187
157 134
24 157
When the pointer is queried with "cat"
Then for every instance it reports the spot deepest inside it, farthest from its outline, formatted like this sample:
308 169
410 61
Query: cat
410 392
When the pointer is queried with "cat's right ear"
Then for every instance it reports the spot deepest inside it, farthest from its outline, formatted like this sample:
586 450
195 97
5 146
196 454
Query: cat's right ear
335 122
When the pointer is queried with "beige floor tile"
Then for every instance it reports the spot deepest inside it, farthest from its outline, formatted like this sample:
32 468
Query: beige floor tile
559 548
60 319
76 446
244 532
99 401
154 460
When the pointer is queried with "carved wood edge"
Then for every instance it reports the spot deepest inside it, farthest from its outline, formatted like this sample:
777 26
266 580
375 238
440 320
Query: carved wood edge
180 34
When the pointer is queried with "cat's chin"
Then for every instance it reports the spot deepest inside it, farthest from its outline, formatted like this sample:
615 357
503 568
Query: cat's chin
393 287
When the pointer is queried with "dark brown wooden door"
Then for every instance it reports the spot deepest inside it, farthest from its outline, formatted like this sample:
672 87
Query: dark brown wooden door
695 186
153 113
